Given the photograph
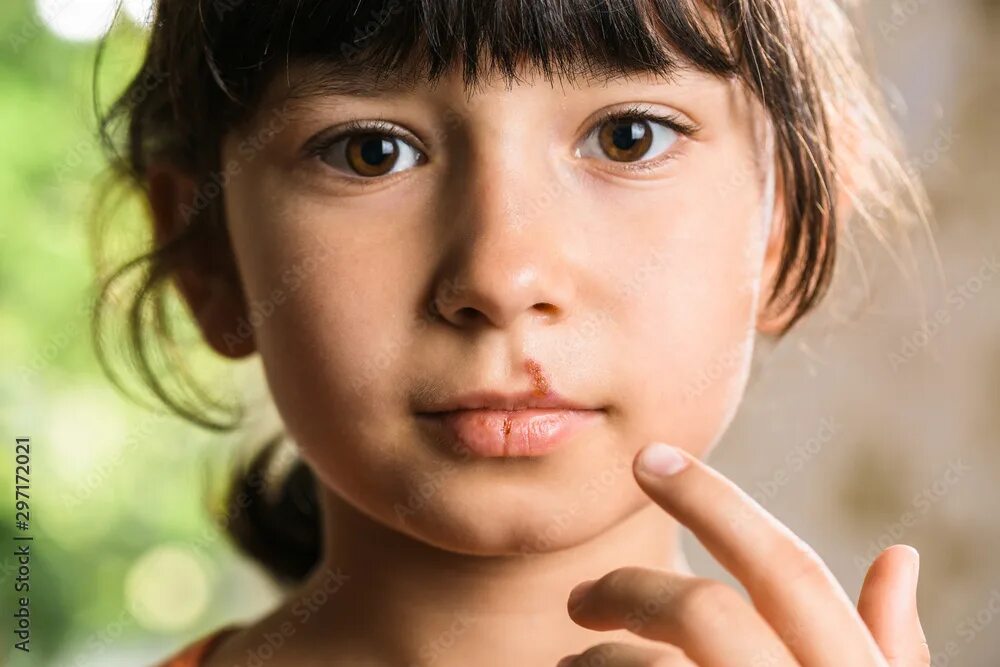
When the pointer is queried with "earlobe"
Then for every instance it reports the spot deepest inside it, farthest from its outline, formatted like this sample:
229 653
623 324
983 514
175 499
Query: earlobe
204 271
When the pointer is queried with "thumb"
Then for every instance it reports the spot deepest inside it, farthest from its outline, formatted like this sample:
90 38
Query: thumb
888 606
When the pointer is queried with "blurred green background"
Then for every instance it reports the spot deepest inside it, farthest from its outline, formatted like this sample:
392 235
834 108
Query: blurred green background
125 562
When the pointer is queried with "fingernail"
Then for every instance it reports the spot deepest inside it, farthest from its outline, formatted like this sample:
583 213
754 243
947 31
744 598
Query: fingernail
567 661
576 595
916 568
662 460
914 562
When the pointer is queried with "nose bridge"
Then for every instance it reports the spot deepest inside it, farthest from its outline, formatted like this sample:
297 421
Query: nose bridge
506 259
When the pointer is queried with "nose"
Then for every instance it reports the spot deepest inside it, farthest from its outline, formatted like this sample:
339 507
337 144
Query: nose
509 256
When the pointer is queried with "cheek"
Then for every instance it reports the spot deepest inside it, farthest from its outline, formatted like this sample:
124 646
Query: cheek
690 312
329 311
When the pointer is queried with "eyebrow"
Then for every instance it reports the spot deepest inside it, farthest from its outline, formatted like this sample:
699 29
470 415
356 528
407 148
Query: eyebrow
309 79
322 78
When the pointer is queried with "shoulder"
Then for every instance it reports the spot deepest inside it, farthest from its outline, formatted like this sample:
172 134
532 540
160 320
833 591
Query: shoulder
195 653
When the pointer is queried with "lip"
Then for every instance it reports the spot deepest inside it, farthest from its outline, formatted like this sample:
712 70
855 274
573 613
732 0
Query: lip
494 400
511 433
494 424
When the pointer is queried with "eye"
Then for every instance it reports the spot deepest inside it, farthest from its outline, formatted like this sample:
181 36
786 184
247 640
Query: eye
367 150
632 136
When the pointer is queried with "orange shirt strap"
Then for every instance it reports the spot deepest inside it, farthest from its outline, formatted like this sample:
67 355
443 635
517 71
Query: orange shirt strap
193 654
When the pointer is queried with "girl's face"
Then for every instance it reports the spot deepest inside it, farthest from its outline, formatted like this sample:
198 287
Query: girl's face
468 239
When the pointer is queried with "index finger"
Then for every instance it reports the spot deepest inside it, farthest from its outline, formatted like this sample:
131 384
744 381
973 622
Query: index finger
785 578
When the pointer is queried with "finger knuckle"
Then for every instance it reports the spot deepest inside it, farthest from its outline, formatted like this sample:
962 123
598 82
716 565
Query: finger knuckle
648 601
627 586
923 656
624 578
636 596
673 659
801 565
707 602
599 655
918 657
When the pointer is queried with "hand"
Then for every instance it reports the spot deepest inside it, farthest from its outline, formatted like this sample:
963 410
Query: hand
799 613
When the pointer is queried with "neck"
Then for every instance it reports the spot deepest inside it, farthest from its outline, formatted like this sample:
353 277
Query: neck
400 601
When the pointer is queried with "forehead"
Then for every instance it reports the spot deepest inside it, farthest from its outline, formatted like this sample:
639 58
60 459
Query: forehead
306 86
305 79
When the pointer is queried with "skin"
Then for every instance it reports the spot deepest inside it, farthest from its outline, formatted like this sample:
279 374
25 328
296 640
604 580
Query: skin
639 292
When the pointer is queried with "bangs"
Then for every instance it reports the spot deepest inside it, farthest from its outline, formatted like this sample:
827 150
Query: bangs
246 41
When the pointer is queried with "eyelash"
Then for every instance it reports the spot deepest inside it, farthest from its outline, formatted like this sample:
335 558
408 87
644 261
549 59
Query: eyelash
640 112
322 142
318 145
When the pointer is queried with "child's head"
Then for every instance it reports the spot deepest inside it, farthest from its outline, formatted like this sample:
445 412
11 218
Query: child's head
394 203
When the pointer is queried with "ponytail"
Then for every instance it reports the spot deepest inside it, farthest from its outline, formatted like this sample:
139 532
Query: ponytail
275 518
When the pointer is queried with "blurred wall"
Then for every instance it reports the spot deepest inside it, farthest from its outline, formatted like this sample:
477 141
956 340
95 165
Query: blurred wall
879 421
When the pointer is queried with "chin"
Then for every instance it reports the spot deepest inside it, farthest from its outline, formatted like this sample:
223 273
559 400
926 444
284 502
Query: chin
483 506
506 519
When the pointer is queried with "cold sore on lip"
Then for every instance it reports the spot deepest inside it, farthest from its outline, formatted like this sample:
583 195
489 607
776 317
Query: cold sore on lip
539 383
523 432
538 379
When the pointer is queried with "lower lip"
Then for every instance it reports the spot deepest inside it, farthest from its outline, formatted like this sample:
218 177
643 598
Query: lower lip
510 433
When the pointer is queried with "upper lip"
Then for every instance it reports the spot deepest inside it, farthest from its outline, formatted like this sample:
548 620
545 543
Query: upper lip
494 400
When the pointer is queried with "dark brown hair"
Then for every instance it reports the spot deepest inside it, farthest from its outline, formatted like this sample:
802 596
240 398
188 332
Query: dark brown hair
208 62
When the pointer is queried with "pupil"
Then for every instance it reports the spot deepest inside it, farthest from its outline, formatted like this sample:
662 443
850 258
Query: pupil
375 150
625 136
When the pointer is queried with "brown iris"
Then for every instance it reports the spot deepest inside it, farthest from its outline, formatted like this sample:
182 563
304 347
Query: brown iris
371 154
625 140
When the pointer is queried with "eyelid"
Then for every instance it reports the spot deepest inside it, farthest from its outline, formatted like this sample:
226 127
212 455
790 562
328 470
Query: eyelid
640 111
324 139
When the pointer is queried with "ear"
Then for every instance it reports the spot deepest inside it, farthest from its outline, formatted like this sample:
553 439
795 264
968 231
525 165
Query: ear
206 275
770 322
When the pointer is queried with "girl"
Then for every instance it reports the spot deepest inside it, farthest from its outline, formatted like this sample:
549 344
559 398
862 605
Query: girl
504 264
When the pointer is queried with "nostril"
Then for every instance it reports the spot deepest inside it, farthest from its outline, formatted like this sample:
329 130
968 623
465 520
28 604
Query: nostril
547 308
468 314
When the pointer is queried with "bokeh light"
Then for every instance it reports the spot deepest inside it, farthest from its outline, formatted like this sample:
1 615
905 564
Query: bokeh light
140 11
88 20
167 589
77 20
